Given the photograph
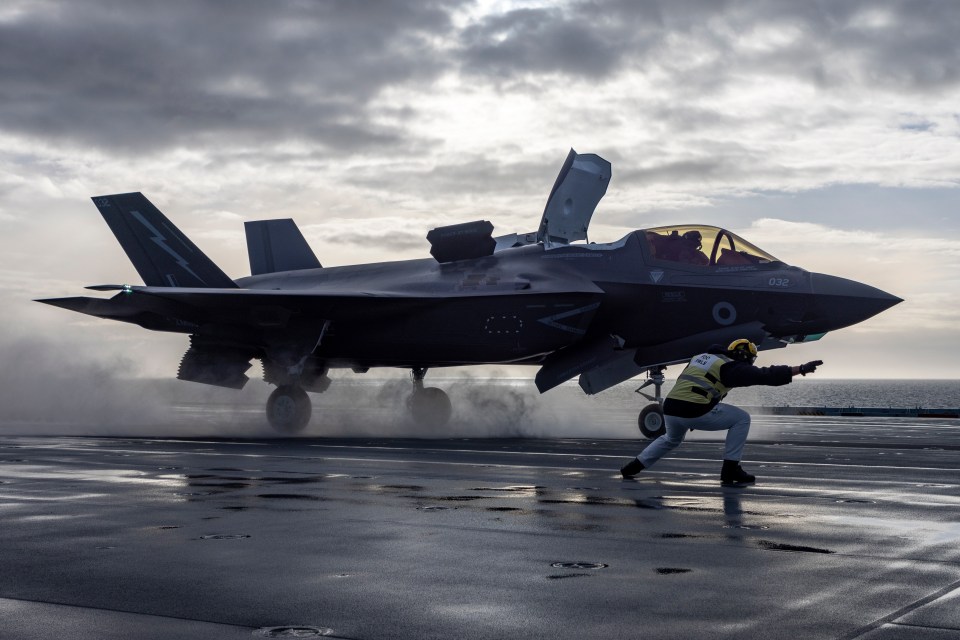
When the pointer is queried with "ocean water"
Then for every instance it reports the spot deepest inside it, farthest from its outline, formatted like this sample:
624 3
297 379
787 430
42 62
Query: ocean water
929 394
614 412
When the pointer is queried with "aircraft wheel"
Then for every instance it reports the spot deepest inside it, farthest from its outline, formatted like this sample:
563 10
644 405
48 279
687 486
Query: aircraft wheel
288 409
651 421
430 406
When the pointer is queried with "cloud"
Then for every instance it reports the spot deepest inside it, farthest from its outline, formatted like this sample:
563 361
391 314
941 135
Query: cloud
382 241
540 40
714 96
707 45
135 76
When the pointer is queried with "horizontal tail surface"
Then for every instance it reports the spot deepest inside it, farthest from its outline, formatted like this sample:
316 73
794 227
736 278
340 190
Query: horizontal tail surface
277 245
161 254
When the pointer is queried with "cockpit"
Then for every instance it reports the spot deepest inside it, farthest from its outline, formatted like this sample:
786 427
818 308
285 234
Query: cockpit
703 245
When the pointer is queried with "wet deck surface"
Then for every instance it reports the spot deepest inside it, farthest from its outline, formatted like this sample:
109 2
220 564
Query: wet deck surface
851 532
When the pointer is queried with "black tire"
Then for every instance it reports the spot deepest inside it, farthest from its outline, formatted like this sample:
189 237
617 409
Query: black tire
288 409
651 421
430 406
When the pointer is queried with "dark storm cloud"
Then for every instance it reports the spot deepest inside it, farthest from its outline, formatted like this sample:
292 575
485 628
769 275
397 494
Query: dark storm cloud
909 45
142 75
547 40
137 76
587 39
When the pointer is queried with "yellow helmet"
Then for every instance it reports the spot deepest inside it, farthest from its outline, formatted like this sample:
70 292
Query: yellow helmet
743 350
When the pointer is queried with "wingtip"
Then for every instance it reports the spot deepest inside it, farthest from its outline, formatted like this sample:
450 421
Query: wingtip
72 304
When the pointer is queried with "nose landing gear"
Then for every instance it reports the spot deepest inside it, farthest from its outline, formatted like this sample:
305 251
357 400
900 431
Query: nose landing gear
651 421
429 406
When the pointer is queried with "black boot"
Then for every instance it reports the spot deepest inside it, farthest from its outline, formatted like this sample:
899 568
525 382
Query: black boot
733 475
632 468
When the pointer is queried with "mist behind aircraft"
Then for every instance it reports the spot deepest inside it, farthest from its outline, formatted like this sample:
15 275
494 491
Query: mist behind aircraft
46 394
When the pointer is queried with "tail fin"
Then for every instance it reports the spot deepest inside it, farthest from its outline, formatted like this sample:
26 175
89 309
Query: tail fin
277 245
161 254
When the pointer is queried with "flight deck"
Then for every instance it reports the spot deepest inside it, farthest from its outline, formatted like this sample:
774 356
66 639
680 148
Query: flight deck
851 531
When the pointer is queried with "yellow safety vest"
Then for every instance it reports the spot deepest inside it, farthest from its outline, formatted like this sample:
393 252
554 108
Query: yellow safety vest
700 381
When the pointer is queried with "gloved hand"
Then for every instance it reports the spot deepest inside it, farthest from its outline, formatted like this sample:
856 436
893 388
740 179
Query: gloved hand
810 367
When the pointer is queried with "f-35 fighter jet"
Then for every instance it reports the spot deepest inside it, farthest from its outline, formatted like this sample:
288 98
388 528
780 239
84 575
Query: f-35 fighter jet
603 312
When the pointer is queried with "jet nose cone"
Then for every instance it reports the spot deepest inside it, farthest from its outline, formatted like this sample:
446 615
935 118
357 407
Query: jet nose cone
842 302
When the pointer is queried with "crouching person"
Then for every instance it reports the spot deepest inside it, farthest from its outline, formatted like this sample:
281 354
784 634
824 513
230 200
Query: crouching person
695 403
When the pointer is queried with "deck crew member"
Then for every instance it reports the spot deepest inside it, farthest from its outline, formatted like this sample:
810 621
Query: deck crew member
695 403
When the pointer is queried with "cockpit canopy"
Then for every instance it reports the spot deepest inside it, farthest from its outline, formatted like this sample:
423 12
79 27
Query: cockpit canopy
703 245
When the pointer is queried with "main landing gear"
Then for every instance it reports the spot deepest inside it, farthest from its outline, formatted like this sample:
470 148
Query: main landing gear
288 409
651 421
429 406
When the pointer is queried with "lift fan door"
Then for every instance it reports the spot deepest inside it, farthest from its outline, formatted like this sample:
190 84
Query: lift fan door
582 182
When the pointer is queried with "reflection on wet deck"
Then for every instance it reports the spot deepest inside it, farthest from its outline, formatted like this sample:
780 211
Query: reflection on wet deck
532 538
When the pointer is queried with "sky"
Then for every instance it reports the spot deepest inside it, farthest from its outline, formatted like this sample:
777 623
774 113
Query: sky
826 133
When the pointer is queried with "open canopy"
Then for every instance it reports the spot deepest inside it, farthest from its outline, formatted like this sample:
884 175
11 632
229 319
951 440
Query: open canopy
703 245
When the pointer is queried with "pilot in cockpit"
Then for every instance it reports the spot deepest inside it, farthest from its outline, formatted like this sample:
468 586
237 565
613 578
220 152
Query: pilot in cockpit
678 248
690 251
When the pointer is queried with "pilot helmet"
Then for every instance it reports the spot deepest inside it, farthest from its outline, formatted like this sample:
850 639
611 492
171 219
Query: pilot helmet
694 237
743 350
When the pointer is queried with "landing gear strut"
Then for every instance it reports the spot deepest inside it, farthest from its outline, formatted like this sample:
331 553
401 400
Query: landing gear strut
288 409
651 421
429 406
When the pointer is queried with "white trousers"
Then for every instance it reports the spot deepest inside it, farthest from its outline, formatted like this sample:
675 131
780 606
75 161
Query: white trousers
722 417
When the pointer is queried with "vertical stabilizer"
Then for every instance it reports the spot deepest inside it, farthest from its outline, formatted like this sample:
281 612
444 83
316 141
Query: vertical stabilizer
161 254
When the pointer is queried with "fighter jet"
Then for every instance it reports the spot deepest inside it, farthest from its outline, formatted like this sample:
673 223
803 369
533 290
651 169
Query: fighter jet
605 313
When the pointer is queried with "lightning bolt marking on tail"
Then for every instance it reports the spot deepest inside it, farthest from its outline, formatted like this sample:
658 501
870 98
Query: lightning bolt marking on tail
161 241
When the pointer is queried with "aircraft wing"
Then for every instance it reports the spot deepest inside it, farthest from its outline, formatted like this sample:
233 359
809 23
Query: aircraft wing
182 308
602 363
619 366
